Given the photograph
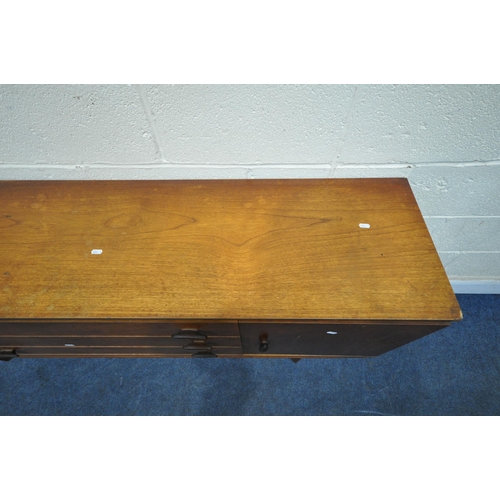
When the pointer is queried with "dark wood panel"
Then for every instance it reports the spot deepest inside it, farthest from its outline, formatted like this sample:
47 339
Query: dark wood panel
85 329
87 341
328 339
108 352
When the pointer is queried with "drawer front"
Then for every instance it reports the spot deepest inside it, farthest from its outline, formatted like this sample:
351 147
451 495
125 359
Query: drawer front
116 352
116 329
72 341
69 339
350 340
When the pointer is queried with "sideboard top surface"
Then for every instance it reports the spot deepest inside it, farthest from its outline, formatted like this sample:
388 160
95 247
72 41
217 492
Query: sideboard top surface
225 249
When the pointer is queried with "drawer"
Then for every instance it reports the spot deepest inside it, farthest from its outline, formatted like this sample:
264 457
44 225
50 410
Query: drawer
115 341
123 339
116 352
158 329
328 339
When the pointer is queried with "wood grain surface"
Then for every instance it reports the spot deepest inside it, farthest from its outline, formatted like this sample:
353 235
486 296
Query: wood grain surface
231 249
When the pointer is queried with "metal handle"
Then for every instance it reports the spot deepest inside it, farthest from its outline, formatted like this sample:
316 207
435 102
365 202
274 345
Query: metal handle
204 355
8 355
190 334
264 346
197 346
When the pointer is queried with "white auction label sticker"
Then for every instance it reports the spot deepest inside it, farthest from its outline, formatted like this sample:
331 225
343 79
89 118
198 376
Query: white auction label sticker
96 251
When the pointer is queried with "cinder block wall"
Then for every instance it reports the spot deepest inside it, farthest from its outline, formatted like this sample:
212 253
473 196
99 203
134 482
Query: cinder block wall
444 138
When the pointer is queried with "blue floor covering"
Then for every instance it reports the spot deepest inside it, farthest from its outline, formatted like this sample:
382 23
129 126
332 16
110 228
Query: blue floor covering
455 371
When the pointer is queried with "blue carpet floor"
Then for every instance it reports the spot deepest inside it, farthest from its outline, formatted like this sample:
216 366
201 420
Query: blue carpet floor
455 371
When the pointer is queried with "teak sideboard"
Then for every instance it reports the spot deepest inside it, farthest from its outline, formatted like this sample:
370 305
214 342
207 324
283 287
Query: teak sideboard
216 268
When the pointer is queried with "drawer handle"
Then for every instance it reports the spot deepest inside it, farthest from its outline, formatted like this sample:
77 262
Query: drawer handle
8 355
204 355
190 334
195 346
264 346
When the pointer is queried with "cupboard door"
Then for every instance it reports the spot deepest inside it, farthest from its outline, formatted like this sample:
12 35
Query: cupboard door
328 339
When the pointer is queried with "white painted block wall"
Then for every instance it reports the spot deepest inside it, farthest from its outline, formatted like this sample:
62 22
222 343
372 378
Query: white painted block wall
444 138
